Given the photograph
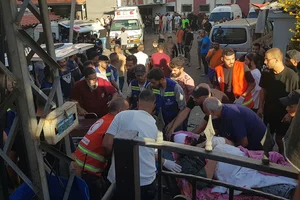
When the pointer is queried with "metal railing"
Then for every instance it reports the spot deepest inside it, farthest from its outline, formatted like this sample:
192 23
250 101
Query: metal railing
126 154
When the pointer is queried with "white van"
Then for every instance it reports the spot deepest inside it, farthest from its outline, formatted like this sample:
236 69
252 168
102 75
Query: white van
131 20
227 12
252 13
240 35
60 29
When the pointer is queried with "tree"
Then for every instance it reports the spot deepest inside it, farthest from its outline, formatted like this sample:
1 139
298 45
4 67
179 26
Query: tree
293 8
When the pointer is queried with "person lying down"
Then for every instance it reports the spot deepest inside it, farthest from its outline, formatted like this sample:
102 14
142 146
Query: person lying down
232 174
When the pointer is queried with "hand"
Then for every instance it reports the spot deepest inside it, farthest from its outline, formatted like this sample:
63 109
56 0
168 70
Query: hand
169 130
239 101
260 112
172 166
287 118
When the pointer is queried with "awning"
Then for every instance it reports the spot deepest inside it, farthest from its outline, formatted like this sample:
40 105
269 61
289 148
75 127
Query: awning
64 50
109 13
81 26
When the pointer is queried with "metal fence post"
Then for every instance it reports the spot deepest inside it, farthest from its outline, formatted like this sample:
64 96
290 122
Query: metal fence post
127 170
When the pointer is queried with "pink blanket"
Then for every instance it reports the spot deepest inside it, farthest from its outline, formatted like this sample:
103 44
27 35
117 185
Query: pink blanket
206 194
274 157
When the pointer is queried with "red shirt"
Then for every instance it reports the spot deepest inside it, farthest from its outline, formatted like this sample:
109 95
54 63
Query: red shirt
93 101
162 61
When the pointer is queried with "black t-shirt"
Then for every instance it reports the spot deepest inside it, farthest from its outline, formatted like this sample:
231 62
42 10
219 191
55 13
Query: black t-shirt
214 93
102 33
66 83
189 37
277 86
228 81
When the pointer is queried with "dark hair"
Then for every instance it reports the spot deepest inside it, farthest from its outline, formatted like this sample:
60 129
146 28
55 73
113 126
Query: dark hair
177 63
160 46
88 71
113 56
147 96
256 44
116 104
156 74
87 63
132 58
228 52
253 57
117 46
93 55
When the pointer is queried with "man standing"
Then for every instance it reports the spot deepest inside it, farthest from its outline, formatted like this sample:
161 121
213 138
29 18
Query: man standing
131 61
238 123
89 155
121 65
188 42
179 40
137 85
73 66
156 23
170 21
114 78
185 22
204 48
124 40
142 58
170 48
161 60
142 121
66 79
276 83
214 58
235 79
164 24
169 95
101 68
93 94
181 77
177 21
292 59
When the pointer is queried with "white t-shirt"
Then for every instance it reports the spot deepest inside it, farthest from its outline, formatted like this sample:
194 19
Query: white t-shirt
170 19
156 20
255 92
142 58
144 123
124 37
177 19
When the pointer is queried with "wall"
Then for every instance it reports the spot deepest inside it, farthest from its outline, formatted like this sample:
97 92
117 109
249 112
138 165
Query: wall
161 8
96 8
180 2
196 5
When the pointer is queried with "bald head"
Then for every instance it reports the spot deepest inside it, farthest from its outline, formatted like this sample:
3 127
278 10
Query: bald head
117 105
146 101
275 53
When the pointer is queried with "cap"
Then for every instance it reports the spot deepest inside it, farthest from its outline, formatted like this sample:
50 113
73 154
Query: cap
293 54
291 99
140 70
103 58
201 90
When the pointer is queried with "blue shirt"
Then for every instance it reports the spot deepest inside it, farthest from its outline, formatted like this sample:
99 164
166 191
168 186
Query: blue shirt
238 122
205 45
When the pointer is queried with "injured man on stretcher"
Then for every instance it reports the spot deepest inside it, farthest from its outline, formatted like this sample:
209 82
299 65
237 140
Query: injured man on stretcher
232 174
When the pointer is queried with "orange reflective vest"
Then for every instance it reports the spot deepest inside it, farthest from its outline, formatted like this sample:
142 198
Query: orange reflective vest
239 83
89 153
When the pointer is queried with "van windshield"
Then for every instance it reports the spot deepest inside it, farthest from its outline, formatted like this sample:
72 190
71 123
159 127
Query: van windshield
128 24
229 35
217 16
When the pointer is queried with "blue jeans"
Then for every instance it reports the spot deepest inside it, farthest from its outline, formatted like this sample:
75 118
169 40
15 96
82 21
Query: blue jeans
103 42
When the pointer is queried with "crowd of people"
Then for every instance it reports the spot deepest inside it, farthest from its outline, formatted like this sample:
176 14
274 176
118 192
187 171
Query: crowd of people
153 95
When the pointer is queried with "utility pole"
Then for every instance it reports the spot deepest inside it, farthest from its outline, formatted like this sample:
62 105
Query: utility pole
72 18
25 104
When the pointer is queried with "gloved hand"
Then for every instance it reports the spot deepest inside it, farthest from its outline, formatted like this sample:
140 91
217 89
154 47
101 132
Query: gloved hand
172 166
239 101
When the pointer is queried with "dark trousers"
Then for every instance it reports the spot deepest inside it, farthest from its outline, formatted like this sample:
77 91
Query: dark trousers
205 64
187 54
121 82
97 185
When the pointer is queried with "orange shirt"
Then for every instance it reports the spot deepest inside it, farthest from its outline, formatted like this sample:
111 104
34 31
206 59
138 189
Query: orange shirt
216 58
179 36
